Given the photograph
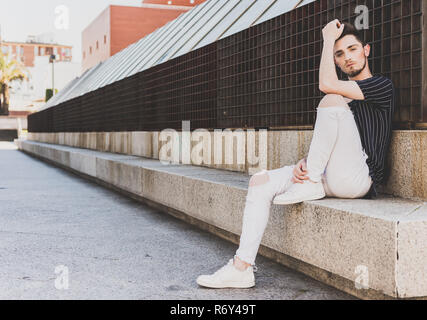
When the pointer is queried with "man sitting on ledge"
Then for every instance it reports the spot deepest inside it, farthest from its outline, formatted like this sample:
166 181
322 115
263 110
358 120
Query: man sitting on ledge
347 152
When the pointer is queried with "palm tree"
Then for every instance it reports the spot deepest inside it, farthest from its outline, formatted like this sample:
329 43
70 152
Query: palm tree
10 70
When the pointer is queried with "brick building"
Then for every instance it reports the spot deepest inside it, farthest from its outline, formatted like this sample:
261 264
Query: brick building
119 26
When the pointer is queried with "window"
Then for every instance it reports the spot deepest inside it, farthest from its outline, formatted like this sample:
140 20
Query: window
90 49
5 50
97 45
84 54
36 51
42 52
105 39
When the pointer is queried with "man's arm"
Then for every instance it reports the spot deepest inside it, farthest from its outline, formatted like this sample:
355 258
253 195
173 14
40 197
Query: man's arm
328 79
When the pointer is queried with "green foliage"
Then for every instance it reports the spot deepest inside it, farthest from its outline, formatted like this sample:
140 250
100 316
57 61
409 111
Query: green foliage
10 70
49 94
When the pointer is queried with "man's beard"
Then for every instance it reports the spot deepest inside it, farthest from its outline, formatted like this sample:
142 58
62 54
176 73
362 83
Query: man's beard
355 73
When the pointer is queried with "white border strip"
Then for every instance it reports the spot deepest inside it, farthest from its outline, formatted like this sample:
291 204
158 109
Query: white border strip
165 6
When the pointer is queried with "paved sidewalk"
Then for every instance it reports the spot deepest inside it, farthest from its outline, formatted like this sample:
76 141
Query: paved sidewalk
113 247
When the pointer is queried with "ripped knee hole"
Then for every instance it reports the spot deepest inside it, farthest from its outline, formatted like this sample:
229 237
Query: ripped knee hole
259 178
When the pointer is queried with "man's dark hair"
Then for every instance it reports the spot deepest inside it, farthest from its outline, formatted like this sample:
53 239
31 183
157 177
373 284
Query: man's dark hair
350 29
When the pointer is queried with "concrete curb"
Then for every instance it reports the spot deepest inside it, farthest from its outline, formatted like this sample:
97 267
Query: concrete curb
326 239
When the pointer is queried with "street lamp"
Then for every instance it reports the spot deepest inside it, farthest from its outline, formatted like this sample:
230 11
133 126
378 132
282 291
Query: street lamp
52 59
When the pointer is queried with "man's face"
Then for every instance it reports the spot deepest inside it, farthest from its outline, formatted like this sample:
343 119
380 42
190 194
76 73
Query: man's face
350 55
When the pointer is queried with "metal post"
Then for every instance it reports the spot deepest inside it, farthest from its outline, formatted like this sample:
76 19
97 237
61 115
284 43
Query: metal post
52 60
53 78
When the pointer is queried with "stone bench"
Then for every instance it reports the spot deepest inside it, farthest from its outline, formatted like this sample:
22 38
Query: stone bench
368 248
407 157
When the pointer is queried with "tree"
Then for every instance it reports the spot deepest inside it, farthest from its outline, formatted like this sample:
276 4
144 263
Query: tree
10 70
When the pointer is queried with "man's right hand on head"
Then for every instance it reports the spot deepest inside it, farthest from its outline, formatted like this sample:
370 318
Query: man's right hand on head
300 171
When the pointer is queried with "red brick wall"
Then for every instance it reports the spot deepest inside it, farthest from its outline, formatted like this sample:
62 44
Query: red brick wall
129 24
29 56
122 26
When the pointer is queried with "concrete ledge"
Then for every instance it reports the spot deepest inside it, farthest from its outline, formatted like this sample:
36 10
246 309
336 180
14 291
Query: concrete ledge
407 157
349 244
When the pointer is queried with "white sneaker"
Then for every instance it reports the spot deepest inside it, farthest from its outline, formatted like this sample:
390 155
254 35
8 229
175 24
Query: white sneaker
228 277
300 192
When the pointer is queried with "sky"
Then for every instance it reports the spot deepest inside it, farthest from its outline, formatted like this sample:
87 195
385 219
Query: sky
20 18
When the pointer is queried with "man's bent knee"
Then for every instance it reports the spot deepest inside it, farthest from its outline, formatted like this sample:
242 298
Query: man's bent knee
333 100
259 178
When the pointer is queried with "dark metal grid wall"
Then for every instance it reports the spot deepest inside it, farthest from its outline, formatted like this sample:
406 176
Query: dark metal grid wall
264 76
184 88
121 104
396 39
268 74
161 97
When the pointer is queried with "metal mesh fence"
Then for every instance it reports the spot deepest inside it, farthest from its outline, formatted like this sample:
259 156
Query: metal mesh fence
262 77
184 88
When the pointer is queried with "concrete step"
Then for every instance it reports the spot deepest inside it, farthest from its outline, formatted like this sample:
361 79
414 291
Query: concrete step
368 248
252 151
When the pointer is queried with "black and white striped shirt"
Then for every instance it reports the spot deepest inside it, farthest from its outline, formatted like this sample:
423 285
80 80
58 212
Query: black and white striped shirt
373 117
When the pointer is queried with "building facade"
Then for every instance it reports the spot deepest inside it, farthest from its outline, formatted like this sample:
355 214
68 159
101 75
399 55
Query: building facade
26 52
34 53
119 26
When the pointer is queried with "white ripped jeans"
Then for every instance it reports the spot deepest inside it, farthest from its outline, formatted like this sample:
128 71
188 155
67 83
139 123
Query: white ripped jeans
336 158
